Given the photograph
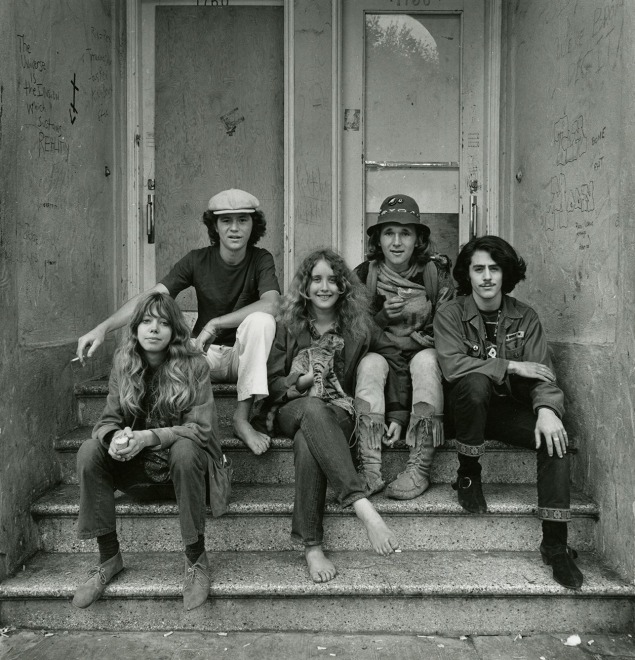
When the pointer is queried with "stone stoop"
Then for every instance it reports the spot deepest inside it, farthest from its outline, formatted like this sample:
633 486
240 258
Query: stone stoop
425 592
259 519
457 574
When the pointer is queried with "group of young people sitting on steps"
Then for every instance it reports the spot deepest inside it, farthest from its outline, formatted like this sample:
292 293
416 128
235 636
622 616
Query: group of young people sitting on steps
347 358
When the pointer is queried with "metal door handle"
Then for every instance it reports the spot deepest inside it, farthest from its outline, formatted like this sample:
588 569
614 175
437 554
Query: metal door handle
473 208
150 218
473 215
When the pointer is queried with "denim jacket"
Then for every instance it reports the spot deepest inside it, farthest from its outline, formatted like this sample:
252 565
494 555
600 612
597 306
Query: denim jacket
459 333
286 346
198 424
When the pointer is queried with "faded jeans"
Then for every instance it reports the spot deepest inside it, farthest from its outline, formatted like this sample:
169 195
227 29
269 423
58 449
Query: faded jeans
99 475
425 375
245 363
320 433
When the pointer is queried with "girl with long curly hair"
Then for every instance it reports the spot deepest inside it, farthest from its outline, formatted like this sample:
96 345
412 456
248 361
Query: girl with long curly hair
157 437
323 332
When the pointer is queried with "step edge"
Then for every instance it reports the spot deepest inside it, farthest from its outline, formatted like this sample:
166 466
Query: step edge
71 441
613 587
47 507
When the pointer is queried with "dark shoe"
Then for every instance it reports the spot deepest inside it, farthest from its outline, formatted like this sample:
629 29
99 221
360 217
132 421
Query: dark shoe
560 558
470 494
98 578
197 582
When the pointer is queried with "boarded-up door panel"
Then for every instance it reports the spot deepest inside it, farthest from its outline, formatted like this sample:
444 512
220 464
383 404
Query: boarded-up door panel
218 121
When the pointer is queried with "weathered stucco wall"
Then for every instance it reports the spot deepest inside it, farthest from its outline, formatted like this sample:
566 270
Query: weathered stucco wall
56 232
9 424
570 141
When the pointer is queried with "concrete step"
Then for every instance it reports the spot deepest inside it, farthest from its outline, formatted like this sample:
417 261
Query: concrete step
423 592
259 519
501 463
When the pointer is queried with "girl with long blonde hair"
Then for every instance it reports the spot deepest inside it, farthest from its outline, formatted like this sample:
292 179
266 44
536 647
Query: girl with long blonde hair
157 437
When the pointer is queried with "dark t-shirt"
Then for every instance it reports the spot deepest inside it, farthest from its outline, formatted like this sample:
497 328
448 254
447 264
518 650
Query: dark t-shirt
222 288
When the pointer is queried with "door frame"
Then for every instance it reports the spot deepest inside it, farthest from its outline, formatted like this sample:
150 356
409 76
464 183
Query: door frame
139 261
488 220
139 255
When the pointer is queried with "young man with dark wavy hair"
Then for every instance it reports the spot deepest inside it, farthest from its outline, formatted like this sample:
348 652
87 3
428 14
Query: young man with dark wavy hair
500 384
237 293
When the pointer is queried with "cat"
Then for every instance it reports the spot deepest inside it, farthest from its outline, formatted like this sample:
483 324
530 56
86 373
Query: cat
321 357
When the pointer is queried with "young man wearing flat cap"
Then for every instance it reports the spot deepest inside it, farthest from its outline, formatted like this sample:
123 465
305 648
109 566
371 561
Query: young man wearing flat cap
237 292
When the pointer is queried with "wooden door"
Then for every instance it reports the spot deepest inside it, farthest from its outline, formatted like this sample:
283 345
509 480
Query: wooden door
218 121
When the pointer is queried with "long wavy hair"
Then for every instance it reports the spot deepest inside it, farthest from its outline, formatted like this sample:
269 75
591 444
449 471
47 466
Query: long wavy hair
258 229
351 308
512 265
176 380
424 248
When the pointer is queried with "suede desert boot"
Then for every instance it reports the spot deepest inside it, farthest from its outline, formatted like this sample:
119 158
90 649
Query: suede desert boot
98 578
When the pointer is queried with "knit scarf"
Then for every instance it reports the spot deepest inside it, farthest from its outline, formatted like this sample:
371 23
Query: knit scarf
406 331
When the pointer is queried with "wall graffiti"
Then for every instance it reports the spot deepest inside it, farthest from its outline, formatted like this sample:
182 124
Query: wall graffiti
569 155
64 83
570 140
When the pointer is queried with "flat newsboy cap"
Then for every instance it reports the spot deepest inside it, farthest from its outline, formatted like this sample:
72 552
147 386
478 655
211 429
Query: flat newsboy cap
402 210
233 201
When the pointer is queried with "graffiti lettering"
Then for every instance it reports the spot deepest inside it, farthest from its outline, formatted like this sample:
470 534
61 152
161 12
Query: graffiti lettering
571 142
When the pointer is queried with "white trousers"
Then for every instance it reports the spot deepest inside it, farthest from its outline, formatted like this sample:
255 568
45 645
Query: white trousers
245 363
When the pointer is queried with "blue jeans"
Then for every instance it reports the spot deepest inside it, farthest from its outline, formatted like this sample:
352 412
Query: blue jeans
478 412
320 433
99 475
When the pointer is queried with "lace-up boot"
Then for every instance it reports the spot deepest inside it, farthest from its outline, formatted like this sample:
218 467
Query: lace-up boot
98 577
424 435
370 432
197 582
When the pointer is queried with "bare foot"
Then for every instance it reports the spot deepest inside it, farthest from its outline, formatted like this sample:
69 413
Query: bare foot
381 537
321 569
256 441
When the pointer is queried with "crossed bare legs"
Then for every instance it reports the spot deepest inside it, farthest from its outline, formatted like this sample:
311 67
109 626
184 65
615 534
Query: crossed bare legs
382 540
256 441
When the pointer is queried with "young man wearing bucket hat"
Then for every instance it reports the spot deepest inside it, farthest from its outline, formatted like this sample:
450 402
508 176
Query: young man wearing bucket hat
407 280
237 292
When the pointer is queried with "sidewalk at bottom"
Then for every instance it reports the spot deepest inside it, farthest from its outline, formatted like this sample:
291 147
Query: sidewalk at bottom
64 645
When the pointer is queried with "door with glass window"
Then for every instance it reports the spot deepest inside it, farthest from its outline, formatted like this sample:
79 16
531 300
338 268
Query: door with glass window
413 116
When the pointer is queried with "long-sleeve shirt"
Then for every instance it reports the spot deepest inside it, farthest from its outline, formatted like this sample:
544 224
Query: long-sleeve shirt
199 423
460 340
